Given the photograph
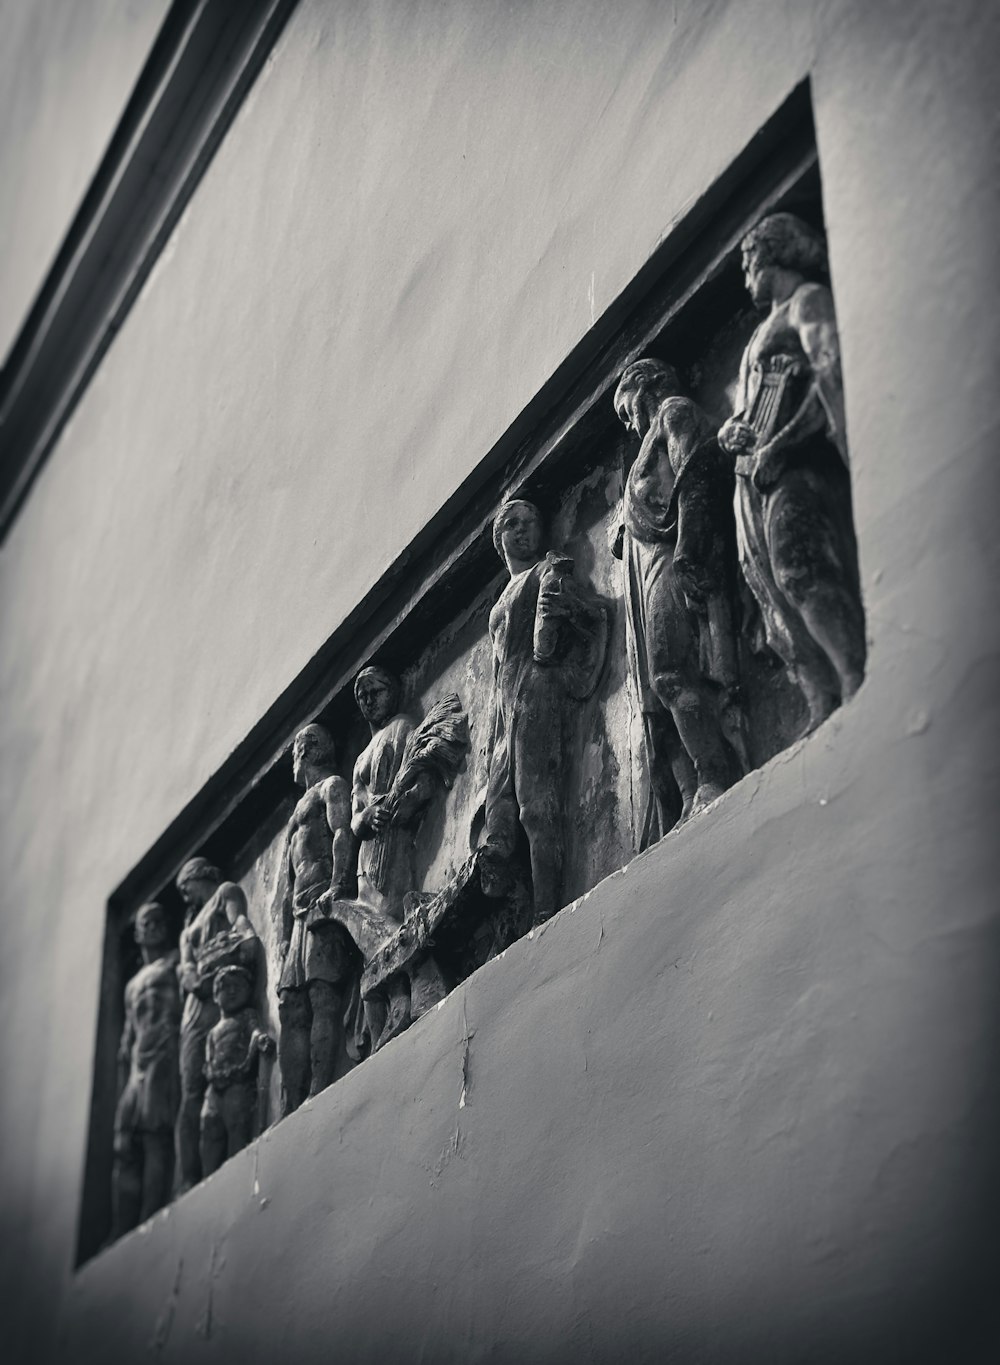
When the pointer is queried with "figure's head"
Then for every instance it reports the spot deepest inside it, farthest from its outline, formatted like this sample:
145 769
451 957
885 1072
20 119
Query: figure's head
197 882
151 928
644 385
377 692
517 532
231 989
779 243
313 753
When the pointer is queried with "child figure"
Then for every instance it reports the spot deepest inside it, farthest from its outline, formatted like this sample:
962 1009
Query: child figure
232 1051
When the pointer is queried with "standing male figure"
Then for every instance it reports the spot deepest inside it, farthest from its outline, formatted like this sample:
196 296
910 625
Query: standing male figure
148 1055
793 496
678 563
398 773
549 643
386 827
216 933
318 960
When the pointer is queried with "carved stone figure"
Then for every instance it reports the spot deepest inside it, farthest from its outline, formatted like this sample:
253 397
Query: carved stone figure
676 548
402 768
549 644
148 1062
216 933
394 781
793 495
232 1053
318 962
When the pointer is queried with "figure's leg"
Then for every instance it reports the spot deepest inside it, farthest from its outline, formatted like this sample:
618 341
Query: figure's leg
538 782
542 823
327 1005
672 645
126 1184
157 1171
726 673
295 1017
192 1062
213 1137
810 568
683 773
394 1015
692 706
237 1103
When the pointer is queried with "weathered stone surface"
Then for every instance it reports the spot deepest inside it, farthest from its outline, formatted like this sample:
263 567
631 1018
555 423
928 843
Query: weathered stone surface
549 642
318 960
398 774
216 934
149 1062
793 497
677 546
233 1050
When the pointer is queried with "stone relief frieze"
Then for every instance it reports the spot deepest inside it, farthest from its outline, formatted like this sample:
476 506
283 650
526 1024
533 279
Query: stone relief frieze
671 612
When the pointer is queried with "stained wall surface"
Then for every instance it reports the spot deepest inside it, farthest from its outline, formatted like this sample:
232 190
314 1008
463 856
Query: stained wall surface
740 1104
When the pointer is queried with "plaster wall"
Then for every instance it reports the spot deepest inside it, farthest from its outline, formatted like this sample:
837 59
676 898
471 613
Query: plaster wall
740 1102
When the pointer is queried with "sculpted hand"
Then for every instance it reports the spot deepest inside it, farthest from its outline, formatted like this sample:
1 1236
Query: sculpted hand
554 604
375 819
736 437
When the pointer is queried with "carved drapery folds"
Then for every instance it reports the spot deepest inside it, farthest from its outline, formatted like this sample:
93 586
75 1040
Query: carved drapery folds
677 549
405 865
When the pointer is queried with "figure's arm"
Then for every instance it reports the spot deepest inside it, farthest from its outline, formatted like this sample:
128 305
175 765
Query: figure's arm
187 967
126 1043
816 321
654 445
337 796
261 1044
288 878
235 903
811 314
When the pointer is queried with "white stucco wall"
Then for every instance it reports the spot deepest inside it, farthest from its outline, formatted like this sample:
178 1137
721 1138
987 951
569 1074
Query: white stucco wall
740 1102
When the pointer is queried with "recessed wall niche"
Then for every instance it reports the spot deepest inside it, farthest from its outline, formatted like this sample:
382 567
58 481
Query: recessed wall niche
659 610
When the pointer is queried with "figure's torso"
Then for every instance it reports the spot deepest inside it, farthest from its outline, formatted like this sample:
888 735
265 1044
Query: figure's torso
512 619
153 1004
210 921
378 763
777 370
231 1043
311 843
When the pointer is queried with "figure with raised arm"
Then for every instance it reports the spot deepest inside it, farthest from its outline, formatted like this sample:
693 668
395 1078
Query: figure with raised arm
793 495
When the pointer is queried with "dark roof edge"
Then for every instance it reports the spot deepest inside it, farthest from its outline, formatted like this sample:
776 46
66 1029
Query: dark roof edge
201 66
